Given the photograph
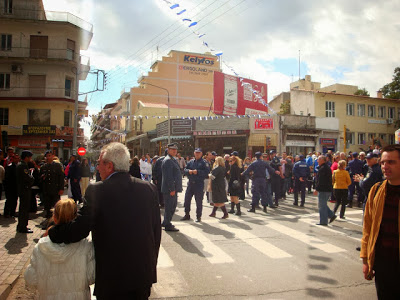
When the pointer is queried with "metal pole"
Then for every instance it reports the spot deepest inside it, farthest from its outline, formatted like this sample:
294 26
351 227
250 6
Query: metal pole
169 115
74 139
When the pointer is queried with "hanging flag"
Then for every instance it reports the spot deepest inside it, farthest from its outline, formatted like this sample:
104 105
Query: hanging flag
174 6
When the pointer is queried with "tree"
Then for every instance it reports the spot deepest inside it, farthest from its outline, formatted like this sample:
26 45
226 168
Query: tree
285 108
392 90
362 92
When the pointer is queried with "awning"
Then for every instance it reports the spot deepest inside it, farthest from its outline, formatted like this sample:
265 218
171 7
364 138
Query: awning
302 134
137 137
256 140
172 137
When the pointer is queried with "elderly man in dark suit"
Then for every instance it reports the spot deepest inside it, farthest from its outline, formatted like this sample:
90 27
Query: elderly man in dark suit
171 185
123 214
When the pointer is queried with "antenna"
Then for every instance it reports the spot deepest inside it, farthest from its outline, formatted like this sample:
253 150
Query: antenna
299 64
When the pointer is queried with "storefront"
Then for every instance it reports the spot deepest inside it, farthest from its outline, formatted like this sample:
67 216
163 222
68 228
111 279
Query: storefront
300 143
328 144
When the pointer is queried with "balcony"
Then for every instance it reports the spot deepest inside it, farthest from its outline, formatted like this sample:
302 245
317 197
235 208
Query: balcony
43 92
53 16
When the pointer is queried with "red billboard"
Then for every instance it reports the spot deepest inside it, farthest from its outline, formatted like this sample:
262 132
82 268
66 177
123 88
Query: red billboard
233 96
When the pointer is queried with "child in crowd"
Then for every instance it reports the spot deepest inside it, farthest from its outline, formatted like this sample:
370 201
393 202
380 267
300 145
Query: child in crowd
62 271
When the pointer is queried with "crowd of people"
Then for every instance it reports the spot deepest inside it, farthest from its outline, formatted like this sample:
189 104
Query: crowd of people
124 198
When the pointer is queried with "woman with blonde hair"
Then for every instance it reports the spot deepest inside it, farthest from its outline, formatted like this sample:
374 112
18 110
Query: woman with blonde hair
341 181
236 184
218 191
62 271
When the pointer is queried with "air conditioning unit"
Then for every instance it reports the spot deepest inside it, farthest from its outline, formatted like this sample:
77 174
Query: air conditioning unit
390 121
16 68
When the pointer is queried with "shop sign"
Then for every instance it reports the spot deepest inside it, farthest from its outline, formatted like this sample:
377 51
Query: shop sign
371 121
198 60
33 143
67 131
263 124
214 132
38 130
296 143
325 141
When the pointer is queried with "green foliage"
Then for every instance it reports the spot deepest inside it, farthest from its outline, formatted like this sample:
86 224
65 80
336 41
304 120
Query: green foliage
285 108
392 90
362 92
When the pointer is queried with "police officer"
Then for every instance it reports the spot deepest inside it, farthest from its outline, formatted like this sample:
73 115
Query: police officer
355 167
301 172
258 187
24 183
10 186
52 177
275 176
196 171
268 173
171 185
74 174
157 177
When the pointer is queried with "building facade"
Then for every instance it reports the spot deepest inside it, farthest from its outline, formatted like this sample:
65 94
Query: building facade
40 69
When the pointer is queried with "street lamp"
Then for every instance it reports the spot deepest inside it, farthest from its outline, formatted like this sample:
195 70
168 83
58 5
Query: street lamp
169 122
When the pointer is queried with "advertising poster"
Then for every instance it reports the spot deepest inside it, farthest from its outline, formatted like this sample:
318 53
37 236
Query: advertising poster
231 97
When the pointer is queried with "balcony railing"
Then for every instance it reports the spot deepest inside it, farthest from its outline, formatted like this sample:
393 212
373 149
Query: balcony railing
44 92
30 14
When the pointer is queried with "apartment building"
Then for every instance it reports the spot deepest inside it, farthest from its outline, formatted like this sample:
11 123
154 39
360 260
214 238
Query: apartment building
40 69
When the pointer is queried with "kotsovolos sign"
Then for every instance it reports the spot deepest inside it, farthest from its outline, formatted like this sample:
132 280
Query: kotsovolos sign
198 60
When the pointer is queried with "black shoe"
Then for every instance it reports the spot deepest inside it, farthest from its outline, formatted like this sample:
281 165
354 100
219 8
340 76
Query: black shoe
171 228
358 248
343 217
27 230
332 219
302 205
265 209
238 213
258 206
198 220
321 224
232 211
252 210
186 218
273 206
295 204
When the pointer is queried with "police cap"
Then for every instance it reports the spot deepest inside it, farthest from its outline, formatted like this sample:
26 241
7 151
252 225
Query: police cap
257 154
26 153
172 146
198 150
371 155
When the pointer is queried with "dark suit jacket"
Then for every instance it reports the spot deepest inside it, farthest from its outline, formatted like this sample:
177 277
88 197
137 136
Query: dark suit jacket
124 216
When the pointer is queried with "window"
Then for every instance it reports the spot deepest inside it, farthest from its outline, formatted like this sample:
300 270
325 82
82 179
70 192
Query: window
70 49
371 111
8 6
382 136
330 109
391 112
371 136
3 116
4 81
67 118
68 86
350 138
361 110
381 112
6 42
37 85
350 109
391 139
39 117
361 138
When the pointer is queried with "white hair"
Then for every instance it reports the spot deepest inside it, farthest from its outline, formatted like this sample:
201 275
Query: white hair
118 154
362 153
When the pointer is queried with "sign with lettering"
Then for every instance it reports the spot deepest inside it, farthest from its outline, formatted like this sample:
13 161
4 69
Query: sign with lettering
198 60
263 124
38 130
325 141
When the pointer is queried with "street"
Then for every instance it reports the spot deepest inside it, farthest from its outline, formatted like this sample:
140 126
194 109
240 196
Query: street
278 255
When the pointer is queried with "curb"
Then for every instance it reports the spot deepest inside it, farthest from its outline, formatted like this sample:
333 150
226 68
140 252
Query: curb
7 286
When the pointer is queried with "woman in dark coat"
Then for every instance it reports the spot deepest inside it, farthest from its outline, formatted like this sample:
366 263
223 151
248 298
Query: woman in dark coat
218 191
134 169
236 184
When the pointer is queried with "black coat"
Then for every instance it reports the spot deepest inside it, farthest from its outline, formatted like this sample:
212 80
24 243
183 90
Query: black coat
124 216
324 179
134 170
218 185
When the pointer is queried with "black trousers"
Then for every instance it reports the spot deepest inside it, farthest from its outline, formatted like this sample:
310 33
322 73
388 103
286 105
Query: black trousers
11 203
341 199
23 213
276 186
76 190
142 294
387 278
49 201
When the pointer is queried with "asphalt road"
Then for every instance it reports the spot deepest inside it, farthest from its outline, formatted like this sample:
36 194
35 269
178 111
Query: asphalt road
281 254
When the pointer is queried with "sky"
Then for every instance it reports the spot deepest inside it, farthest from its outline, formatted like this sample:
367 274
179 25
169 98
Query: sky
350 42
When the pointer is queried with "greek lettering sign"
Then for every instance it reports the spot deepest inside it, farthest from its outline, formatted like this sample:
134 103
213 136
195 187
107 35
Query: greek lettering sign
263 124
38 130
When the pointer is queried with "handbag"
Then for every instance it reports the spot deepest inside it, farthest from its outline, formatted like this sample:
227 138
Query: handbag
236 184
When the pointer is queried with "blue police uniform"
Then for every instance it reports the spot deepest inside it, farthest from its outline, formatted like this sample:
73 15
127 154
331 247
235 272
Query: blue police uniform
171 181
195 185
275 179
258 187
373 176
300 170
310 163
355 167
157 178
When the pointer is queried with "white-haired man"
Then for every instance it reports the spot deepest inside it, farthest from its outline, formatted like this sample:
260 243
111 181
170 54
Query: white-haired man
124 216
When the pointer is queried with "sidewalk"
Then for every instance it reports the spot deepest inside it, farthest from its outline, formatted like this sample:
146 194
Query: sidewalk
16 248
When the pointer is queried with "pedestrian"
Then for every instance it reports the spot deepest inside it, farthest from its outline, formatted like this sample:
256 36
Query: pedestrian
268 172
74 176
134 168
35 187
182 164
323 189
301 172
380 242
236 184
157 177
196 171
246 164
85 175
62 271
171 185
52 180
145 167
287 173
10 187
275 176
24 183
341 181
218 190
355 167
123 215
8 159
310 163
